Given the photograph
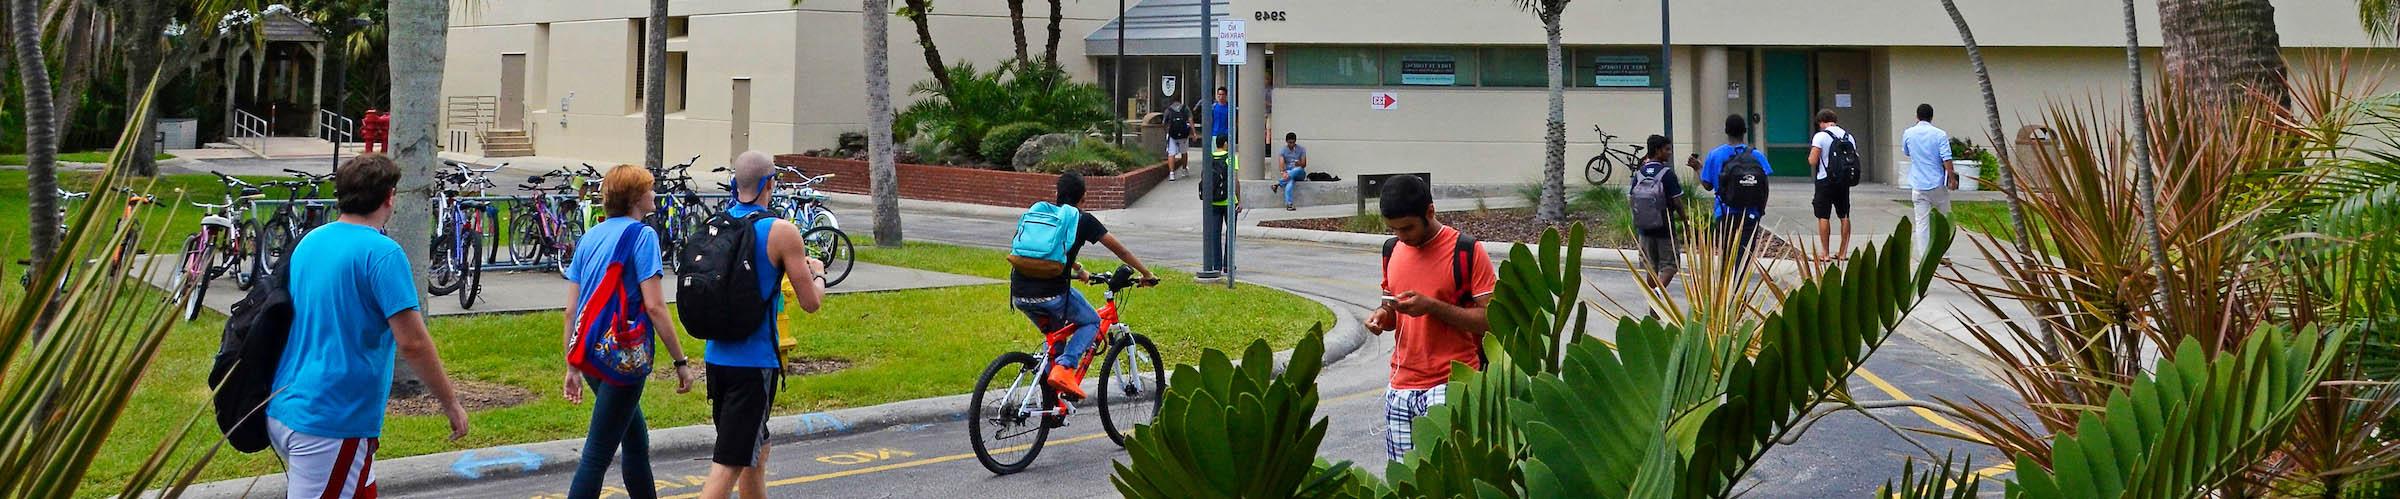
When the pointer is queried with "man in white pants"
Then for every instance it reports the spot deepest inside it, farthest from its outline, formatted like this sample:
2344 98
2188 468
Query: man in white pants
1931 177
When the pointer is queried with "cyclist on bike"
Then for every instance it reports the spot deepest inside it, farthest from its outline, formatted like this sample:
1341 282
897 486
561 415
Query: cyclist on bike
1050 301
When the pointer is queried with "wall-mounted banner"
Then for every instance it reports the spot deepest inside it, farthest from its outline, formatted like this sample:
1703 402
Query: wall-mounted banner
1428 70
1621 71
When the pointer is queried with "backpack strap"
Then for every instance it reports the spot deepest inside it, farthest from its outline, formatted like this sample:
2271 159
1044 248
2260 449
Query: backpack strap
1388 246
1461 262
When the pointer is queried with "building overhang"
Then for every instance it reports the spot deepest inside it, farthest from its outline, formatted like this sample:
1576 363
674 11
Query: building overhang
1156 28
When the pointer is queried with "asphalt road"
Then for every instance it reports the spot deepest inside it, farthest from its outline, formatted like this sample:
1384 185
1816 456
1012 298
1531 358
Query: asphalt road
1847 455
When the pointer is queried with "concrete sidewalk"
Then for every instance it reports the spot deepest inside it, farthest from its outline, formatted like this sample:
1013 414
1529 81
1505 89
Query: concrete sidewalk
538 290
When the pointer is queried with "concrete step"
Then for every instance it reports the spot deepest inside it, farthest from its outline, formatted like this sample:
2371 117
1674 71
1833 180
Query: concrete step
506 153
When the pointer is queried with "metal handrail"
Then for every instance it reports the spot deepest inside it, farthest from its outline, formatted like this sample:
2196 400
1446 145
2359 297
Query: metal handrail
336 128
249 126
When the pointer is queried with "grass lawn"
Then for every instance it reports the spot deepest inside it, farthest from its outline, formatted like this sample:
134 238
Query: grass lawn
903 345
73 157
1989 218
174 213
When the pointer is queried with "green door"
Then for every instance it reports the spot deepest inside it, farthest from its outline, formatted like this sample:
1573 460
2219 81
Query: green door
1785 111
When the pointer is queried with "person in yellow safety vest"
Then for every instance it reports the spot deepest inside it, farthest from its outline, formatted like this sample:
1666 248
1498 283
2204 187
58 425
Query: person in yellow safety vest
1218 155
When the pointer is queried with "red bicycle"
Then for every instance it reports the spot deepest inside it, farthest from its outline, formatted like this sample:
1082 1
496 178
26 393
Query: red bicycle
1131 383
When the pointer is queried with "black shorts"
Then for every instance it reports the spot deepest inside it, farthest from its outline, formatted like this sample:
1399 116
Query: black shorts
740 400
1832 199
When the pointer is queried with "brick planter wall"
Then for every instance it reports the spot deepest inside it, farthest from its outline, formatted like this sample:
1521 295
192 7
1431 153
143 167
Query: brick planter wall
979 186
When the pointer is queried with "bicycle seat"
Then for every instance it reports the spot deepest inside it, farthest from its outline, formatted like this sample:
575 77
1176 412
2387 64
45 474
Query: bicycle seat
536 179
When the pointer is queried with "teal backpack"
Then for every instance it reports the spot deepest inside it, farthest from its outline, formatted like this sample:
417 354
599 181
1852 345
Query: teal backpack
1044 234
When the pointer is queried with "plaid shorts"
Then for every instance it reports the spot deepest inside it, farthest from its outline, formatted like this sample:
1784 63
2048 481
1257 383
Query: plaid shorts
1400 410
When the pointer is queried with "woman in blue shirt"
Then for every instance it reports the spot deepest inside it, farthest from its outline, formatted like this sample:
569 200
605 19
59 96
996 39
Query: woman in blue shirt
616 410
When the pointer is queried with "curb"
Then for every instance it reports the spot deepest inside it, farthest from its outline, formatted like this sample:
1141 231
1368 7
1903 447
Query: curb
429 471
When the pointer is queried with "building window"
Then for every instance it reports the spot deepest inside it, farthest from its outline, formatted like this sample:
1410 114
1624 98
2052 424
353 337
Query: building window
1615 68
1429 66
678 80
638 51
1332 66
1516 67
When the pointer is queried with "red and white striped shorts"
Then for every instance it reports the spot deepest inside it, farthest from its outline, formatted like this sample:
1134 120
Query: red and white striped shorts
324 468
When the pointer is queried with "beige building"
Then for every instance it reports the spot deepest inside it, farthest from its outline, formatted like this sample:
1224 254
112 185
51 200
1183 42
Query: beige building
1466 78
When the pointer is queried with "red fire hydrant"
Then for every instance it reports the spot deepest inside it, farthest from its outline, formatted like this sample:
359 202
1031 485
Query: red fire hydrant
375 130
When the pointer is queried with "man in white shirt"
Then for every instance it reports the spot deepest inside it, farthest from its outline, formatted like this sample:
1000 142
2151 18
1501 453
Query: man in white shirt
1833 196
1929 171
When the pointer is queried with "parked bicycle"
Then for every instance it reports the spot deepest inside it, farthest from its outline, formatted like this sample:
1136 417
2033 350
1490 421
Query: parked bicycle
1017 418
293 218
800 202
225 237
1605 165
679 210
546 225
460 229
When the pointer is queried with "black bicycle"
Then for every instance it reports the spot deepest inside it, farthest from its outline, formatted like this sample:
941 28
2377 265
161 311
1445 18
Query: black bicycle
1601 167
294 217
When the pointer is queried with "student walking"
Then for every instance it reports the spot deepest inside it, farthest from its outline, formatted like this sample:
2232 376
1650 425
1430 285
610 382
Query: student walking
1835 156
1436 283
1295 167
733 306
1930 174
1043 288
1738 174
1220 117
1179 135
354 300
618 314
1657 199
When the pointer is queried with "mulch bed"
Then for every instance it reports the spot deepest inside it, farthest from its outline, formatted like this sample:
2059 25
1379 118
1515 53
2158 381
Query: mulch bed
476 395
1516 225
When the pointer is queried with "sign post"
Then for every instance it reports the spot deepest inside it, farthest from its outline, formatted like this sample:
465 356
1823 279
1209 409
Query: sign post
1233 50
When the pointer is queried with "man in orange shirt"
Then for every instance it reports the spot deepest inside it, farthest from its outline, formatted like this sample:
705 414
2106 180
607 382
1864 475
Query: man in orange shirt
1435 283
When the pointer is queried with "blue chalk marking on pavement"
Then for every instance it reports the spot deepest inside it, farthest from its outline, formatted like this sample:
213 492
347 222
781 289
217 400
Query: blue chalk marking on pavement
812 421
471 468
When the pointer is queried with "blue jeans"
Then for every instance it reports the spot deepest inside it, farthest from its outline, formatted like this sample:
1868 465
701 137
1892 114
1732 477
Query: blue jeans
1291 176
616 422
1047 312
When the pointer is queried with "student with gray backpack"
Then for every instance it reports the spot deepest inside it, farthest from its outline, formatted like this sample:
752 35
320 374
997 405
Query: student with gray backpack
1835 155
1042 265
1657 198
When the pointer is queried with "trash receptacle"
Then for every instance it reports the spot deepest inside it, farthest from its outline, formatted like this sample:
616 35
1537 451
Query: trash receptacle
178 133
2034 143
1153 130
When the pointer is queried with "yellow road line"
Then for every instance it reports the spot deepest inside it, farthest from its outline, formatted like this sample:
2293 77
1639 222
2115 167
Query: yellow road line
909 464
1996 470
1931 417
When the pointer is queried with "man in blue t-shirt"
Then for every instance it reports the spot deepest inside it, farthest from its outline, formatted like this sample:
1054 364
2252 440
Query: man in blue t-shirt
1737 224
354 298
1220 116
743 374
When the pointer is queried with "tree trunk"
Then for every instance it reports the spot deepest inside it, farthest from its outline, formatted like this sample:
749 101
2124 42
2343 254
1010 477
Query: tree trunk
41 131
2008 179
1050 50
76 75
143 58
2218 50
882 175
654 88
416 54
1553 206
921 13
2145 179
1016 28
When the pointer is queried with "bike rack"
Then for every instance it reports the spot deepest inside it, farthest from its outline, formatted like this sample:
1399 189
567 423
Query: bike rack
258 207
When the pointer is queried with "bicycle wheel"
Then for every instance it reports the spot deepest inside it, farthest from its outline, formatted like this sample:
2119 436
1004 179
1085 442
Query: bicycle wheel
189 267
1132 381
234 246
470 268
832 246
274 241
441 268
1598 170
525 240
818 216
1009 419
562 249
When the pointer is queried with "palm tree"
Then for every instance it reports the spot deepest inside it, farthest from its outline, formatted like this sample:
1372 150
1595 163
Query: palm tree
41 129
2381 18
1553 206
2145 180
2220 49
144 51
921 13
2008 180
654 88
881 173
1016 27
1050 50
419 36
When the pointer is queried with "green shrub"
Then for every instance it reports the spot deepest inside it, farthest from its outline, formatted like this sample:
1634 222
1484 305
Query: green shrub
1000 144
980 101
1093 157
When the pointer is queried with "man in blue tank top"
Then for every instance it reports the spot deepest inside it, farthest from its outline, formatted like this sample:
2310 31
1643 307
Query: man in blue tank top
743 375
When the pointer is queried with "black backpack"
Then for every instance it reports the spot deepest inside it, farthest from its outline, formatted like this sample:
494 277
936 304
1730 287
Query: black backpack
243 374
1743 184
1214 185
717 279
1841 163
1179 123
1459 264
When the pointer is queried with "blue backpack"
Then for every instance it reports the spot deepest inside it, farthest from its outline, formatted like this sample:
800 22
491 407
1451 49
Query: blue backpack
1044 234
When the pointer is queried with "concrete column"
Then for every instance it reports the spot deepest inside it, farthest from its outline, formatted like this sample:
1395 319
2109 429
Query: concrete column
1710 106
316 87
1251 125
